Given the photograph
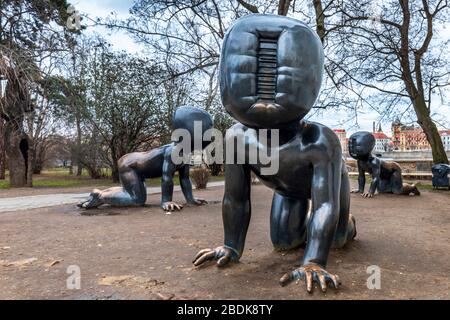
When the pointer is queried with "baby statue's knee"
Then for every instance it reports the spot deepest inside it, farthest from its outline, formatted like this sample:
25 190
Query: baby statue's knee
140 201
341 239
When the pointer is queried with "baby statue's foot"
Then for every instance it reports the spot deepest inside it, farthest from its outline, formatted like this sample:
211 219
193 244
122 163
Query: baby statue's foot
93 201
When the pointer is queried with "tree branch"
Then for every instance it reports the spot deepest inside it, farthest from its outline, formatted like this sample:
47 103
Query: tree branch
248 6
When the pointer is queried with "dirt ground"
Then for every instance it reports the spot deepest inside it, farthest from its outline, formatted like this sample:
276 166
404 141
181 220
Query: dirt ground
142 253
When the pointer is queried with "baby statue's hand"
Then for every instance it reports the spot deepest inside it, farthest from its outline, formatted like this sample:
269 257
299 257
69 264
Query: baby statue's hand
171 206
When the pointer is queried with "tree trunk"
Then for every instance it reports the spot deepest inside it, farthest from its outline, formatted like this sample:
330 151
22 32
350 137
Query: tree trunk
37 161
94 172
114 164
29 158
320 19
78 146
79 168
115 172
2 150
17 150
283 7
430 130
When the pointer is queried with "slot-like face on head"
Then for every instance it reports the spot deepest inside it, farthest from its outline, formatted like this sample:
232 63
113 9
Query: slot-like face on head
270 70
186 117
361 144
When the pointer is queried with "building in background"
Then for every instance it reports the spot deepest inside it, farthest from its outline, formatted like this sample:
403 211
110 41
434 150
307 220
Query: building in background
445 136
404 138
396 129
413 138
408 137
382 141
342 135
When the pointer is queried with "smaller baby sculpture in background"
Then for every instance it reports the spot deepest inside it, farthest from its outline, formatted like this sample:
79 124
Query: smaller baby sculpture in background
135 167
386 175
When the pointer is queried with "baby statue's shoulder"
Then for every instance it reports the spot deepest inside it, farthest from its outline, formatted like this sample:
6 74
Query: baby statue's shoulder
317 133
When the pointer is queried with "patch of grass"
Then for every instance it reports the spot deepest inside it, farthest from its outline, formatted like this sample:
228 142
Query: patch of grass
56 178
64 183
66 172
216 178
426 186
4 184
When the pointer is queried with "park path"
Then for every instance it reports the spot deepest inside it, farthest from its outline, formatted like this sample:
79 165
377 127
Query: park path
57 199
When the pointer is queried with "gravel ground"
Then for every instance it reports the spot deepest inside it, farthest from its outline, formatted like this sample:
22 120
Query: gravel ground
142 253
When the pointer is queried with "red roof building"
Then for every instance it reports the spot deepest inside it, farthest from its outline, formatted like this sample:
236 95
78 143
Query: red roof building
381 135
342 135
408 137
382 141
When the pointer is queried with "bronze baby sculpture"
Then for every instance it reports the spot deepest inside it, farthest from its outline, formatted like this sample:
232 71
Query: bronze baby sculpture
270 75
135 167
386 175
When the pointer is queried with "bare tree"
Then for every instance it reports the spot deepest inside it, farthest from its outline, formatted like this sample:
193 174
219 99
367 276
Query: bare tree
26 28
2 140
393 53
2 152
119 107
388 63
15 104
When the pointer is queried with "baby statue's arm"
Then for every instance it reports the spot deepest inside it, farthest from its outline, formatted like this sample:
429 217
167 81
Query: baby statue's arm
376 170
168 171
186 186
361 179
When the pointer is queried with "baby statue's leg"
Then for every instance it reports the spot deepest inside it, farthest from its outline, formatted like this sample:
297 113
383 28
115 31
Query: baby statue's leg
346 229
132 193
397 182
398 187
385 186
287 222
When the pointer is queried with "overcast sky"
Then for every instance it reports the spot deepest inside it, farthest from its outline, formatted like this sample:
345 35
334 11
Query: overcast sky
121 41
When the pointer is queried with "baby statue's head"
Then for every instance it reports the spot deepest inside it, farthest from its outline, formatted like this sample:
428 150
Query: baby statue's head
186 117
270 70
361 144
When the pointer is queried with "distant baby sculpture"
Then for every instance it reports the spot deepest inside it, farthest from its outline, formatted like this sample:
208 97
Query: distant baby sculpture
270 76
135 167
386 175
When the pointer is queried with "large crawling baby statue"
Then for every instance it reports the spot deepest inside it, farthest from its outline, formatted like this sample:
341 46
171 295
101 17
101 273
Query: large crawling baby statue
386 175
270 75
135 167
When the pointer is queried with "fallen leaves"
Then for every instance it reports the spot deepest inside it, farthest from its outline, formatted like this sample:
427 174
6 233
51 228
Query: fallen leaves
18 263
53 263
165 297
25 262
